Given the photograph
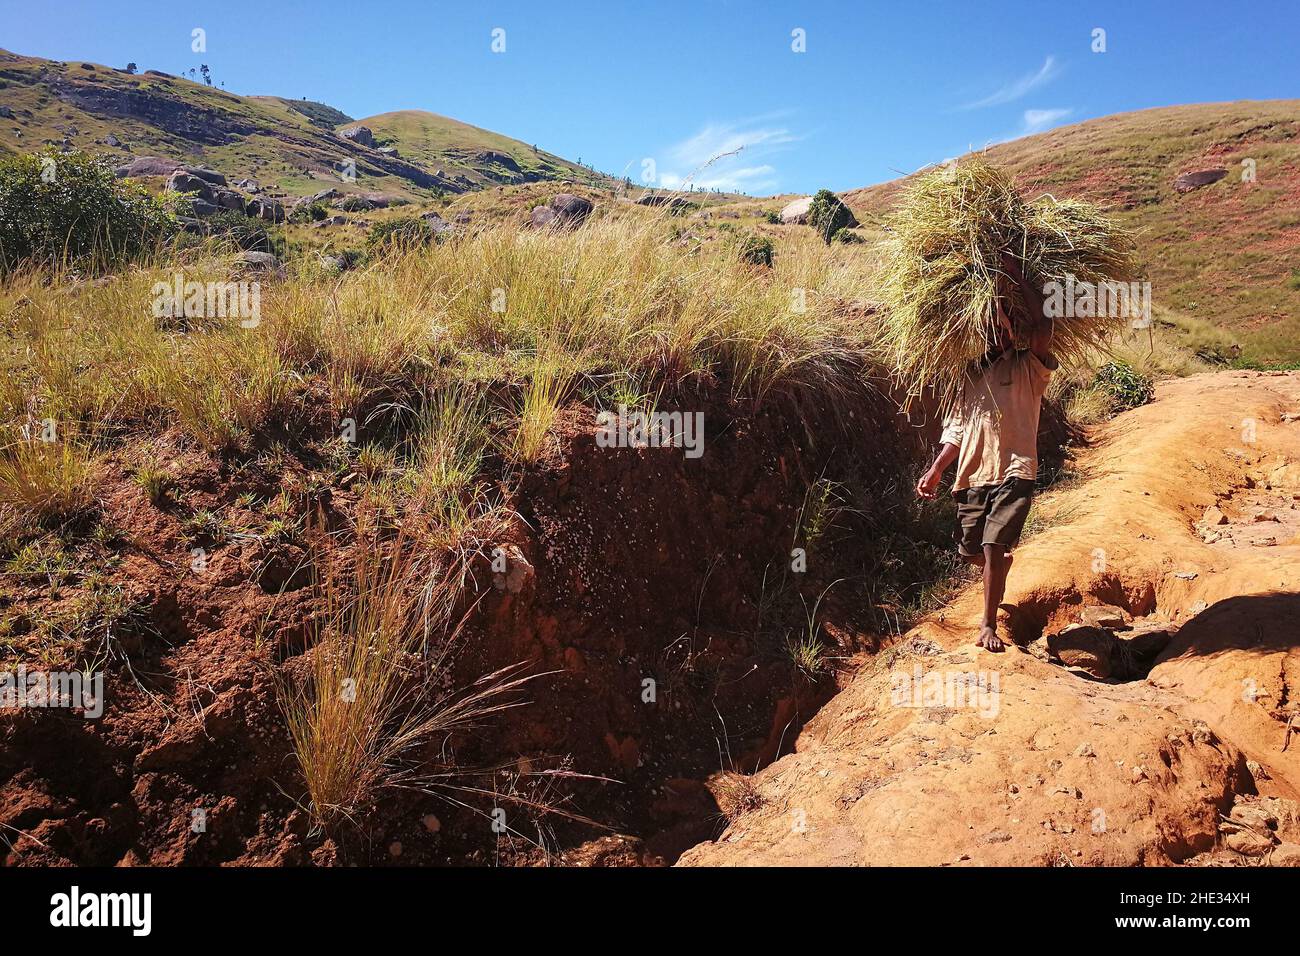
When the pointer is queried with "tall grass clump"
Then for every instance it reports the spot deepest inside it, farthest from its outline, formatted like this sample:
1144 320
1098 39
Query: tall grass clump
943 273
46 482
375 699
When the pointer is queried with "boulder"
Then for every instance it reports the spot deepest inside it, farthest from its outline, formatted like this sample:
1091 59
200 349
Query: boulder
1088 648
389 151
264 208
331 221
564 211
1249 842
203 208
1204 177
1103 615
146 166
228 199
206 174
182 182
359 134
1213 517
111 140
541 217
796 213
256 262
498 159
1287 854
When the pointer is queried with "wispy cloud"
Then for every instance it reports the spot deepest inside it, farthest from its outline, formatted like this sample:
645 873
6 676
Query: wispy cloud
1020 87
723 156
1035 121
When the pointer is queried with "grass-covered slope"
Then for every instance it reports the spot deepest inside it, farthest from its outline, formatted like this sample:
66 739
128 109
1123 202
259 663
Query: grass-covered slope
1227 254
481 156
290 146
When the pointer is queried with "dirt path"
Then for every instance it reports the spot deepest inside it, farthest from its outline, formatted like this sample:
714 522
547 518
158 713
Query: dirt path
938 753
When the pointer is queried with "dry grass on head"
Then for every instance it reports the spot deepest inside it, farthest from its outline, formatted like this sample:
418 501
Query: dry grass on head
943 273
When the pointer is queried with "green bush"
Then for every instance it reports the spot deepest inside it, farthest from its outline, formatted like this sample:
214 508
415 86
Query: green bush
1126 387
244 231
404 232
757 250
309 212
773 217
69 207
828 215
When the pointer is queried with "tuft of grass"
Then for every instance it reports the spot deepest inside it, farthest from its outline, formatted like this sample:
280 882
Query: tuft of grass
47 482
374 693
542 396
155 482
735 794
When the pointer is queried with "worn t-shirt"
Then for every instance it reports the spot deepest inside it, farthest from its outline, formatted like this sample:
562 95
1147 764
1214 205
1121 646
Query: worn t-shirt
995 422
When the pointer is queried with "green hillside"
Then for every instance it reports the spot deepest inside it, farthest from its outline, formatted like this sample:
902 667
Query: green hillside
290 147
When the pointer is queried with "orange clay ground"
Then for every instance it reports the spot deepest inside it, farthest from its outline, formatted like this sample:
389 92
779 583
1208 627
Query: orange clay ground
1186 519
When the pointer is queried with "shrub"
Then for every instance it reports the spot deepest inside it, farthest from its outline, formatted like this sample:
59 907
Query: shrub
309 212
828 215
244 231
69 207
773 217
404 232
1127 387
757 251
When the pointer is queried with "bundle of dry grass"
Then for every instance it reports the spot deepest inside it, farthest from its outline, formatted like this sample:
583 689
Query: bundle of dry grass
943 270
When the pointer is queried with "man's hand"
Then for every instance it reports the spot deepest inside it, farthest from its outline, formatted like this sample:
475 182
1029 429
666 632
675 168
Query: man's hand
928 486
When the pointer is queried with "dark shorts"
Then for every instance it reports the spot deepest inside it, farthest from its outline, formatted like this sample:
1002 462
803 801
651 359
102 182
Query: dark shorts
992 514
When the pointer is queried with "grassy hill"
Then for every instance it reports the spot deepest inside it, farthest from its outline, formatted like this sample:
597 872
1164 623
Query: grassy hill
289 146
1226 254
485 158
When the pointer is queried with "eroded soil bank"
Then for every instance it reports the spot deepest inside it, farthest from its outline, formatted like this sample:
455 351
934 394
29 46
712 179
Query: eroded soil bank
651 592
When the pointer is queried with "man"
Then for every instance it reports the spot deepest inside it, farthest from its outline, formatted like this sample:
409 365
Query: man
992 434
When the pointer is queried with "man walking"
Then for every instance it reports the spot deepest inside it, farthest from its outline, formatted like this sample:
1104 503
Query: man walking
992 435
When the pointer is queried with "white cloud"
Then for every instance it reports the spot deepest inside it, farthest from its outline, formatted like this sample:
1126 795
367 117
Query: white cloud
1035 121
713 157
1019 88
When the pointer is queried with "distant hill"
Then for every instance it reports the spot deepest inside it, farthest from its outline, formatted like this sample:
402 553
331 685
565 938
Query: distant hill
1227 253
293 147
457 149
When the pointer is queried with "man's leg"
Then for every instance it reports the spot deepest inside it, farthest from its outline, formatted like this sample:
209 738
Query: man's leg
997 562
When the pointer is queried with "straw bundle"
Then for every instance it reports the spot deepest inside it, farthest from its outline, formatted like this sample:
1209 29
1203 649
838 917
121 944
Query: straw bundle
943 270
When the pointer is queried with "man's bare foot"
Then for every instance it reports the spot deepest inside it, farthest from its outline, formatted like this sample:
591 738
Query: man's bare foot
989 639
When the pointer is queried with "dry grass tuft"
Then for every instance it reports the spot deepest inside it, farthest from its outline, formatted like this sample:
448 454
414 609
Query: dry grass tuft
943 272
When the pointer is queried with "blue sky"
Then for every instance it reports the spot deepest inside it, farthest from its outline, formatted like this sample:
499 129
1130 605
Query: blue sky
881 88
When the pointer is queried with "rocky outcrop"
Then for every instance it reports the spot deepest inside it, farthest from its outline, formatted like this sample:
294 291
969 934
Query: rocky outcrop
796 213
1195 180
565 211
362 135
183 118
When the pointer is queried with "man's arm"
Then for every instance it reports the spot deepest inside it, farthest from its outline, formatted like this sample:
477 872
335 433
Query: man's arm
949 446
1040 333
928 486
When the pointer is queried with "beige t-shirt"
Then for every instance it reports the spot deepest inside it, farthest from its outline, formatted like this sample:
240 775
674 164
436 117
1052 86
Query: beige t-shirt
995 423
